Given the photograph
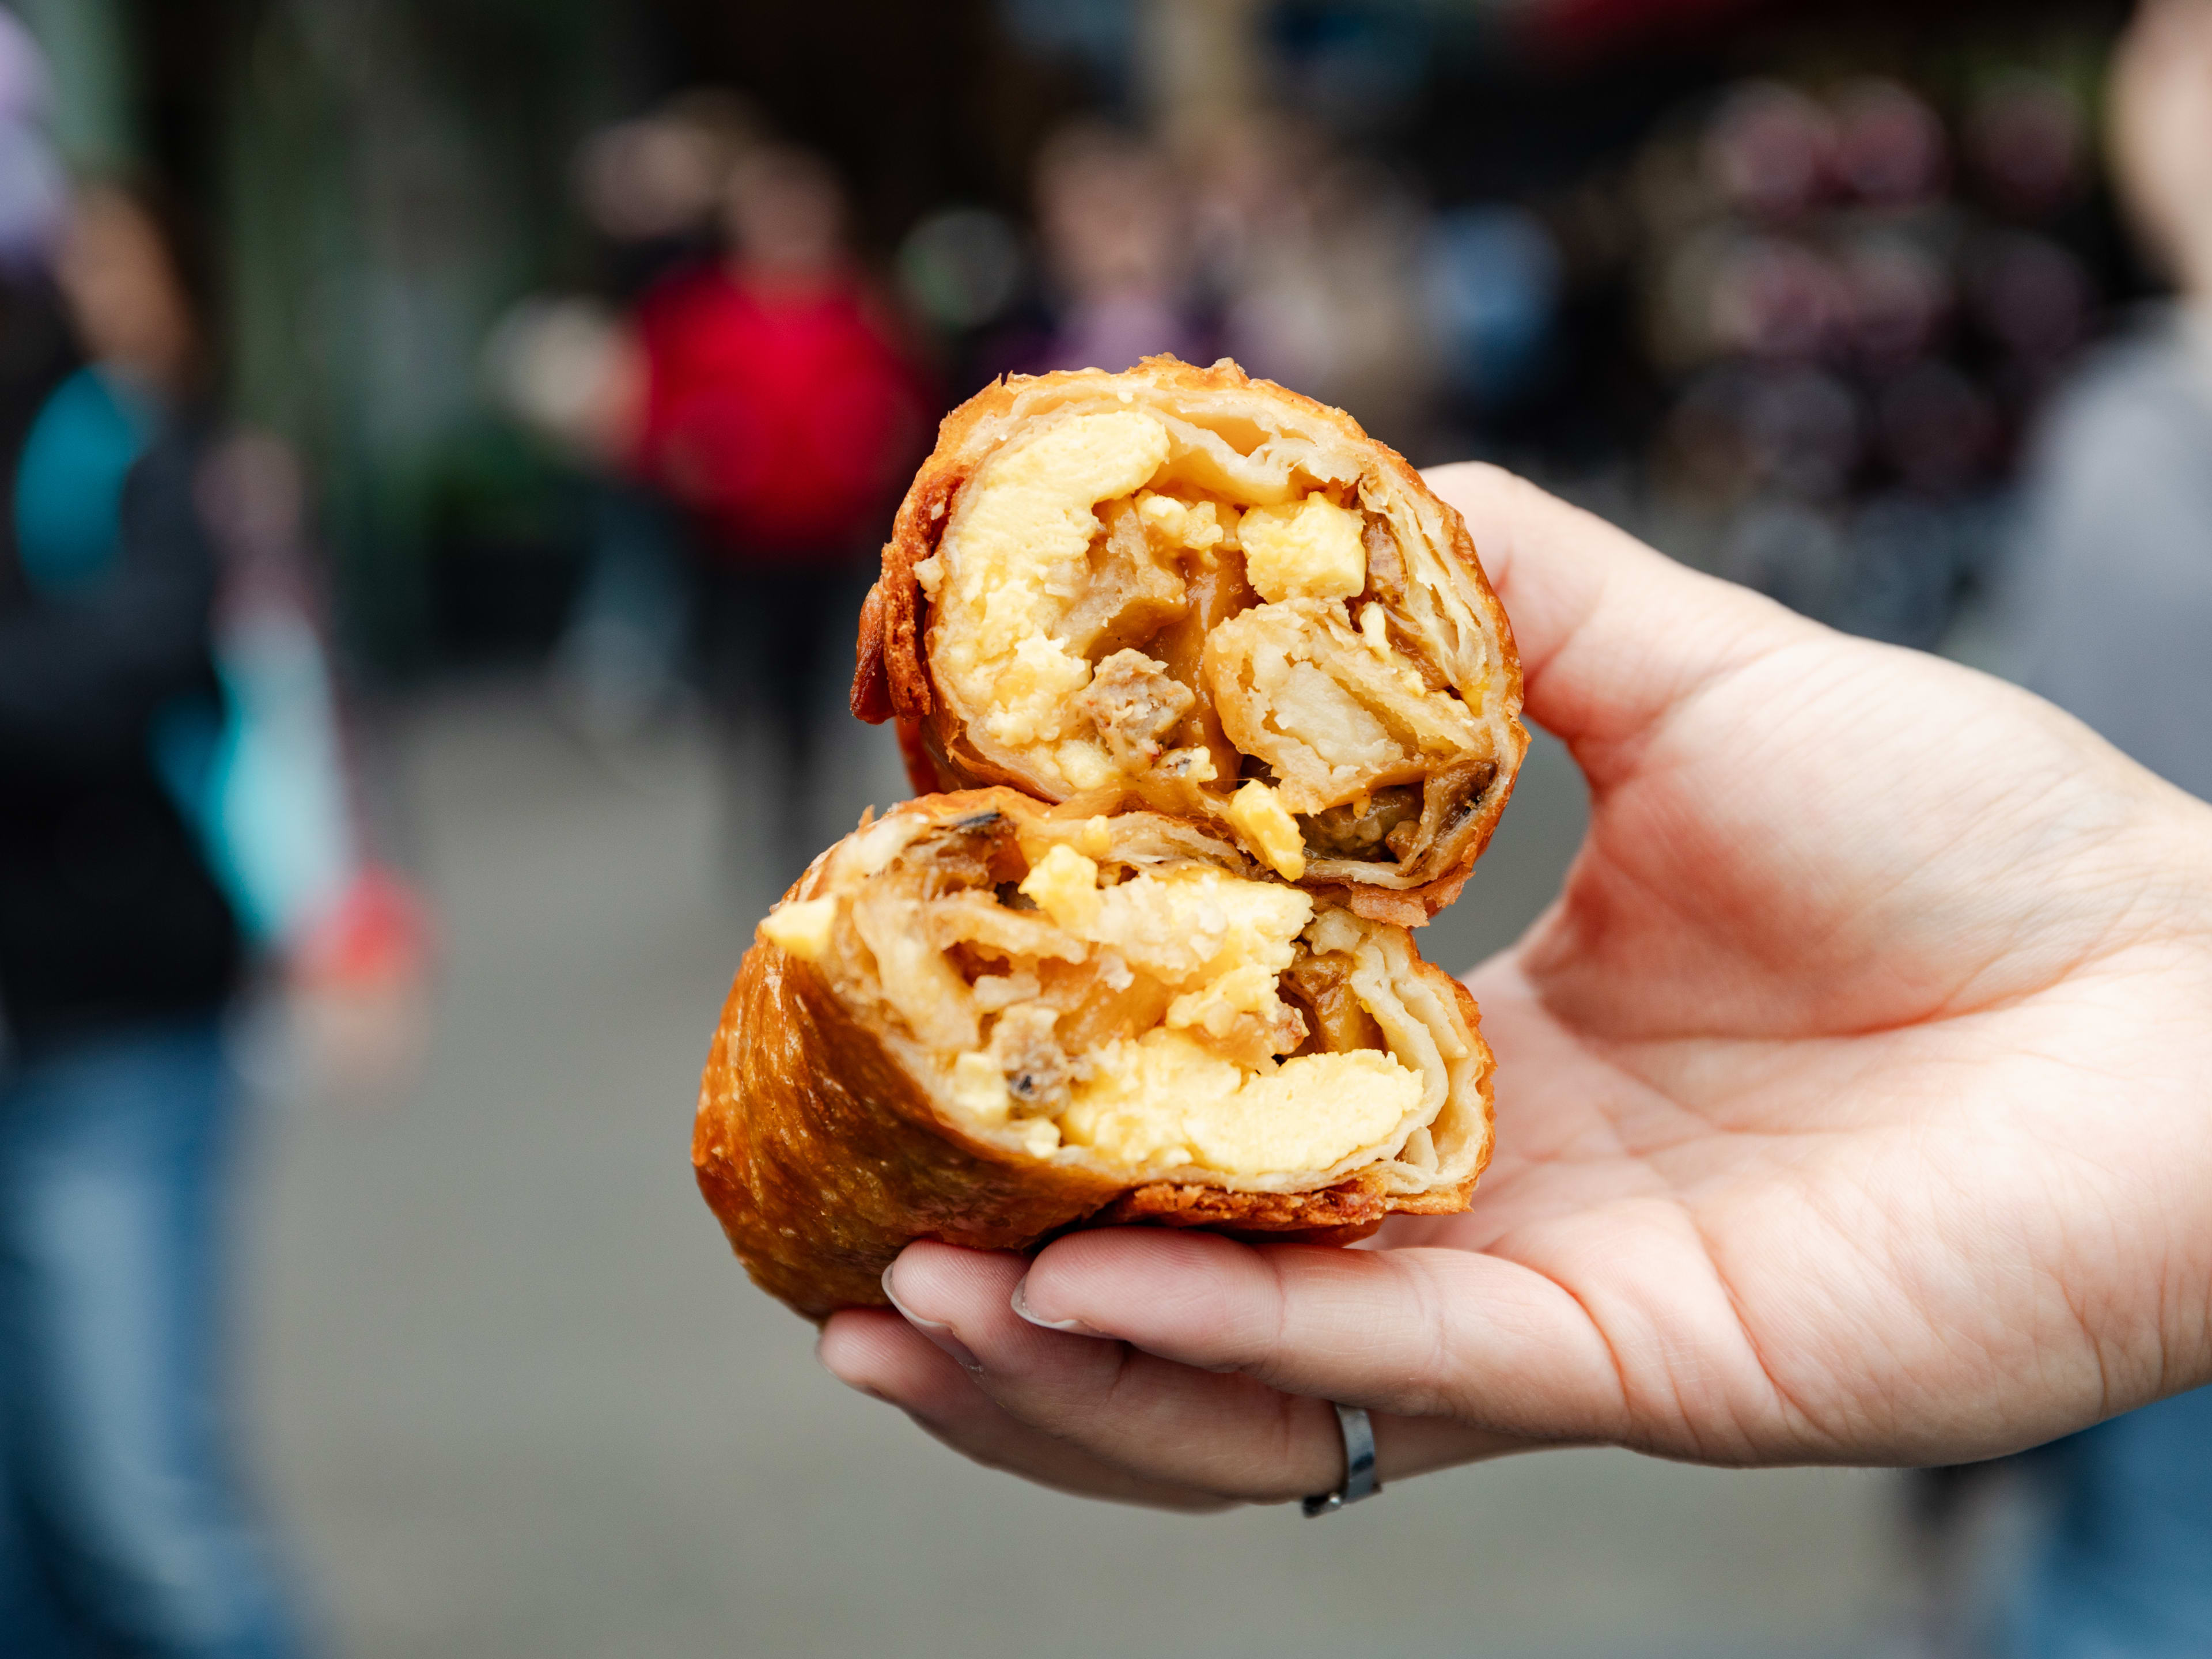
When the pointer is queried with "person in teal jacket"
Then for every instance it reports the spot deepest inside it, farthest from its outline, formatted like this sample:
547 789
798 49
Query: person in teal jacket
123 1525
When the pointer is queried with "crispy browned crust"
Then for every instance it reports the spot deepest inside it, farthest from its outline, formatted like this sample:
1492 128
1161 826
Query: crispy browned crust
823 1158
891 672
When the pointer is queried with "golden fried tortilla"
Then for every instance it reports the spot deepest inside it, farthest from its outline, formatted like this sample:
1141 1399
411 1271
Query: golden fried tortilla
983 1020
1184 589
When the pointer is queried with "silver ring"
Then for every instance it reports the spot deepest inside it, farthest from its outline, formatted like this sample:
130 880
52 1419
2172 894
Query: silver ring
1359 1479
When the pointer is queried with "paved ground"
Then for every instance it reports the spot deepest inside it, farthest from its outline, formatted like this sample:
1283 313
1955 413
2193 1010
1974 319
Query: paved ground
519 1401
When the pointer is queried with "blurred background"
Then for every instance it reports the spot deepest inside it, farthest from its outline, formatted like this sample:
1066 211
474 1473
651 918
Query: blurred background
551 369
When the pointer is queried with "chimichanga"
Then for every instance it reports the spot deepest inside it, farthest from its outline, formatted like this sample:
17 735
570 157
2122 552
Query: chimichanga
1211 597
982 1020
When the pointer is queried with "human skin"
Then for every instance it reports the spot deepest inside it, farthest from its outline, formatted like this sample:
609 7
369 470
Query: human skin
1854 1105
2161 135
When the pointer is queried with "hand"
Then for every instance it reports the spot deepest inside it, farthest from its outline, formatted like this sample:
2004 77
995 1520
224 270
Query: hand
1852 1105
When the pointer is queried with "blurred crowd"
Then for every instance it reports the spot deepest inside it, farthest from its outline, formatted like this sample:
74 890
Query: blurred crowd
1847 300
181 838
747 395
1862 306
1863 326
1853 304
1265 237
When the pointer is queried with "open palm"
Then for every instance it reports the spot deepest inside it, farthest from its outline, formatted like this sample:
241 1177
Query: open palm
1854 1104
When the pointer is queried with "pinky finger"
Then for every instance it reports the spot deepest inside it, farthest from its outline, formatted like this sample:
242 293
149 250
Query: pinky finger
879 1353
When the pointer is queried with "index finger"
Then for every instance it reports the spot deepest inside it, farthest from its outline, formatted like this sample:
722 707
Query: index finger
1505 1355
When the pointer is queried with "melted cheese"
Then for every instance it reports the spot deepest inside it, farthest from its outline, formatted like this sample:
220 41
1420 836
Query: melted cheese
1162 1102
1310 549
801 926
1013 560
1256 814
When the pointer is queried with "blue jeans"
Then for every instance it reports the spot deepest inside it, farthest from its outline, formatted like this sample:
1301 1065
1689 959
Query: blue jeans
122 1529
2127 1574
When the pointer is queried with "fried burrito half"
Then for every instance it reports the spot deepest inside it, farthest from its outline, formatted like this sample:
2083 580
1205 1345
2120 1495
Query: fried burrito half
982 1020
1213 597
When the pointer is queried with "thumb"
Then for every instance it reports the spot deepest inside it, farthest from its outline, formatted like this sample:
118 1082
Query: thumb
1612 636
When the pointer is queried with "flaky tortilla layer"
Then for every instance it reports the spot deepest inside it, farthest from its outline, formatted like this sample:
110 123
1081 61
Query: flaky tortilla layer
828 1135
1425 616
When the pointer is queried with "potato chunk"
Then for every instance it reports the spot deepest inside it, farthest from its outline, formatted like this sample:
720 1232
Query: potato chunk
1296 687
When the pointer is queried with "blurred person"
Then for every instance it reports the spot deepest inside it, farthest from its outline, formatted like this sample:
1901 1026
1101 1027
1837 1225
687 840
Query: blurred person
1491 277
124 1526
1115 229
779 409
568 370
2113 610
2116 602
651 188
1318 262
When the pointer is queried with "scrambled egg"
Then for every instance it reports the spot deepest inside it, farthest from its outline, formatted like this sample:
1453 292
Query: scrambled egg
1166 1099
1186 927
1163 1101
1308 549
1247 990
1200 526
1065 885
1013 560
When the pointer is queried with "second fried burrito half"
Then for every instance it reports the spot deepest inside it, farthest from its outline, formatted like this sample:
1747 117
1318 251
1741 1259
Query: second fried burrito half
981 1019
1211 597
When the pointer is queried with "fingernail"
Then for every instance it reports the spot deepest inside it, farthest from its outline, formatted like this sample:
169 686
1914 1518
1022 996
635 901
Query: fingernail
1072 1327
935 1330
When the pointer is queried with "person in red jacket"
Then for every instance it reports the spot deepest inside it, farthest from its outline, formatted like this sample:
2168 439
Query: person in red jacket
780 411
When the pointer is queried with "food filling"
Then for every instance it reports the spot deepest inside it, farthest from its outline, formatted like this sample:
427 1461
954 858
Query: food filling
1156 1014
1112 608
